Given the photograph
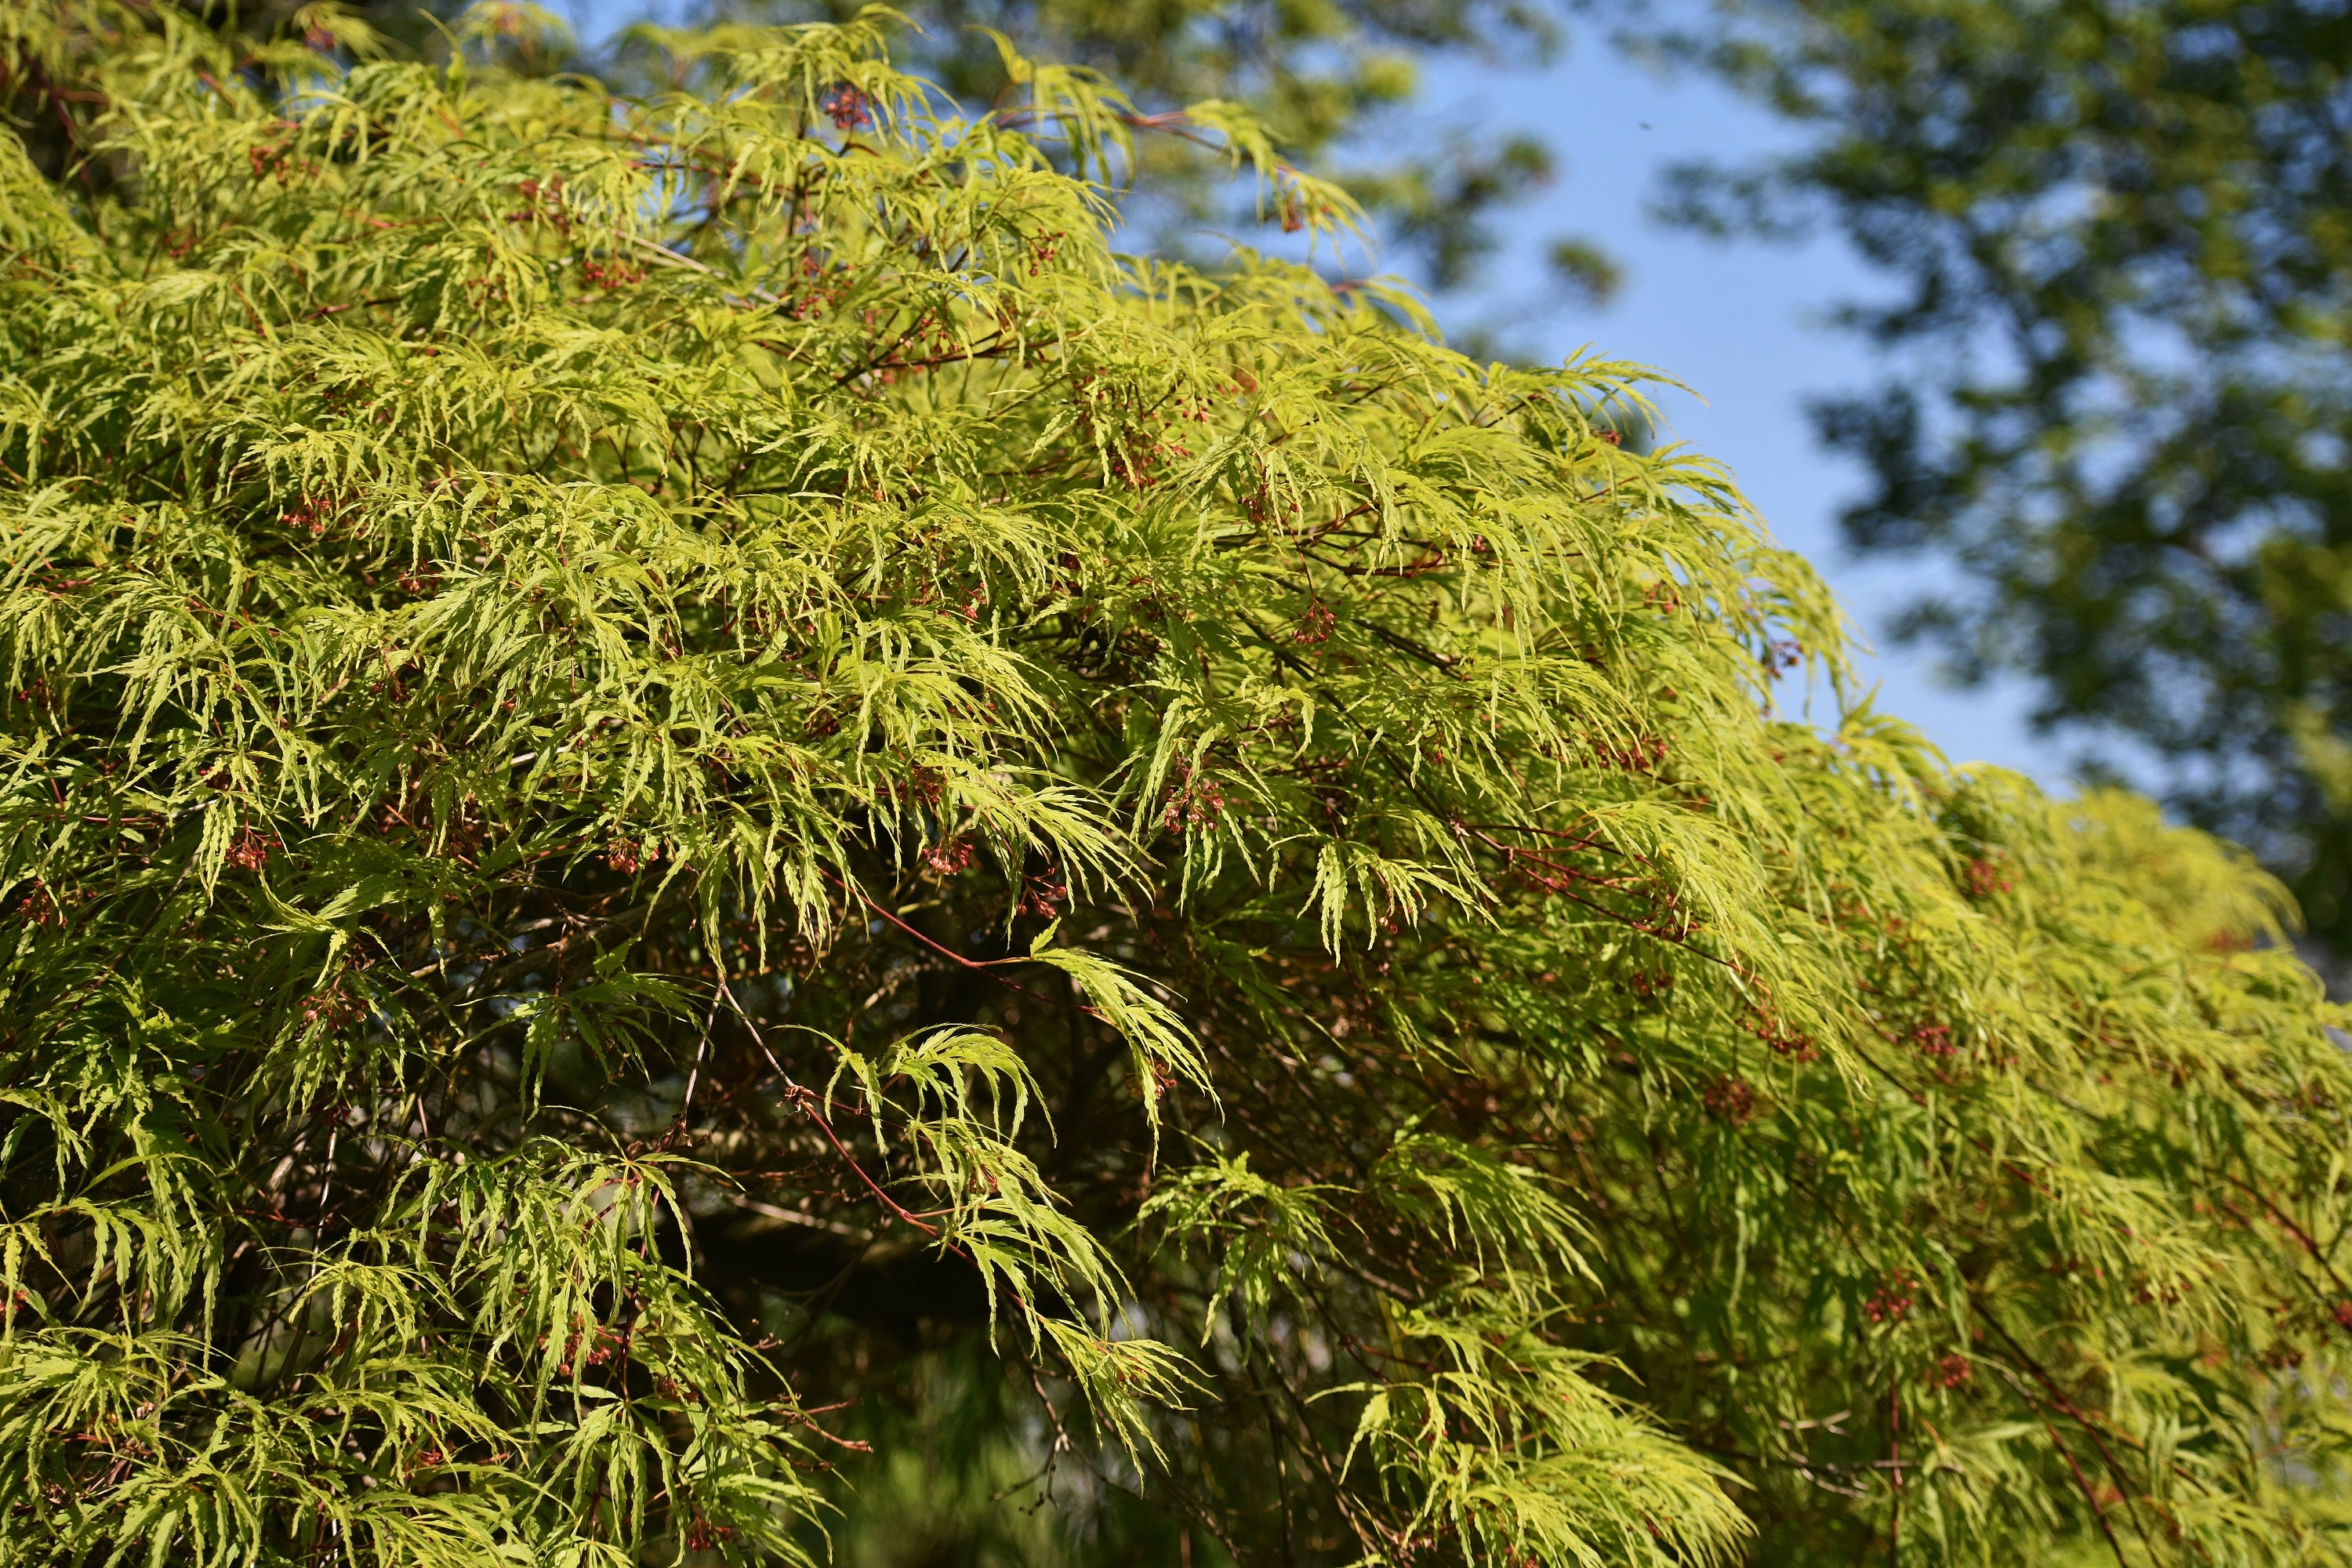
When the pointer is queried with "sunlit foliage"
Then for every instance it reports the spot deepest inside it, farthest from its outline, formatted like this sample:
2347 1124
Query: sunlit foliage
700 809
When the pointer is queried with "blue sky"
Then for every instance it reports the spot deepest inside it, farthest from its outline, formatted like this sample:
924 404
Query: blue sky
1742 323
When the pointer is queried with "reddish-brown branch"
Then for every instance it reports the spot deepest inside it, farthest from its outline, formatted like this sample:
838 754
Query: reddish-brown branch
2098 1511
807 1100
984 965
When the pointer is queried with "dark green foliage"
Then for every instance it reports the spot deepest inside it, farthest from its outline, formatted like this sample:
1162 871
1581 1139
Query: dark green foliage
2123 234
713 837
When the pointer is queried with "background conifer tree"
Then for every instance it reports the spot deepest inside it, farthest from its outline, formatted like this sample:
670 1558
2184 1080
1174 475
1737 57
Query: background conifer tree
715 840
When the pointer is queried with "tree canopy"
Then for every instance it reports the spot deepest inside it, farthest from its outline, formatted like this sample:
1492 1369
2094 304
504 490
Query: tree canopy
712 831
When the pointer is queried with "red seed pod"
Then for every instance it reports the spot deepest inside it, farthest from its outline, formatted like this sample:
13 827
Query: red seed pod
250 851
1730 1098
848 108
1043 894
